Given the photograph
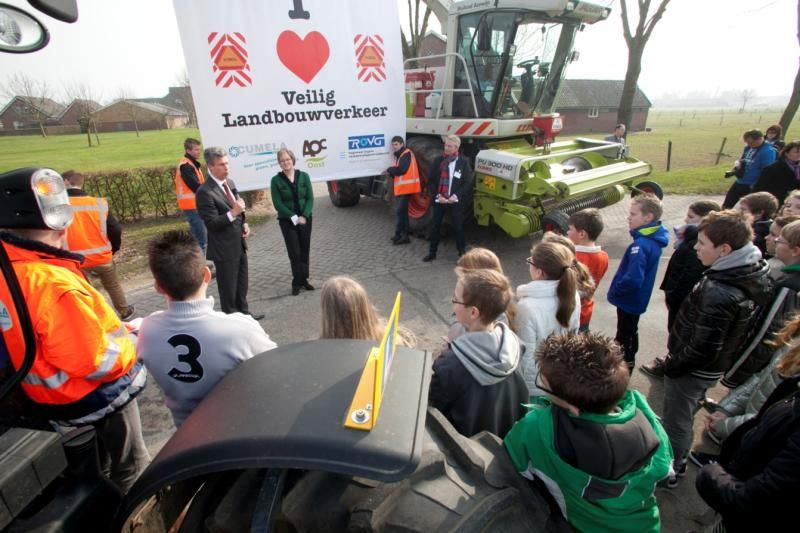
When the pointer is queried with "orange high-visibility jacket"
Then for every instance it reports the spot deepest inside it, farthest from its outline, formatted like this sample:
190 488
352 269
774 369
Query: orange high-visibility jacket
409 182
80 341
182 192
88 233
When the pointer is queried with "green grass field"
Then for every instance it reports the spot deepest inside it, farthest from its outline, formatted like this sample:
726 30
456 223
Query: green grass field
696 138
118 150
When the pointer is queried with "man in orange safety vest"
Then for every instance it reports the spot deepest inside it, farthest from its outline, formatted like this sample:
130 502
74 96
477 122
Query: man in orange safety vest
405 174
85 369
188 178
96 235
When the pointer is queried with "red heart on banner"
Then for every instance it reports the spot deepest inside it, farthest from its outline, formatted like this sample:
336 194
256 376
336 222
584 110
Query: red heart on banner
304 57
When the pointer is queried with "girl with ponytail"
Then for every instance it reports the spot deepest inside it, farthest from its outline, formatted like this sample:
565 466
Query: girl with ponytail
548 304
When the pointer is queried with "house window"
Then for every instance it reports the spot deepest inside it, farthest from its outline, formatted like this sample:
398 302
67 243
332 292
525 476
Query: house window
594 112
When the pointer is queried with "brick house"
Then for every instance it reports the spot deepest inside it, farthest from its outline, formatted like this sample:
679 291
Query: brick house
23 113
179 98
127 115
433 44
76 110
590 106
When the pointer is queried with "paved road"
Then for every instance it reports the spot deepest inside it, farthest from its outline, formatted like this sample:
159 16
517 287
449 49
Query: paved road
355 241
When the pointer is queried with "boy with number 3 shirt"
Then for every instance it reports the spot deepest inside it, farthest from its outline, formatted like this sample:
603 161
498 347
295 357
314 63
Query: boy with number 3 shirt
189 347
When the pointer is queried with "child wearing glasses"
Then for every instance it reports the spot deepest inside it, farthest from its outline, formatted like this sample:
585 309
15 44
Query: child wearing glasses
476 383
596 445
475 259
549 304
775 264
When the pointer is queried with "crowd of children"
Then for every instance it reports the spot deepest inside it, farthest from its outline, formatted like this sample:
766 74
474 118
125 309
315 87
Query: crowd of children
525 366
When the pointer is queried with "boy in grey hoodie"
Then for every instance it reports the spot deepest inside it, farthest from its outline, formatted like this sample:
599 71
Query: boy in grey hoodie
476 382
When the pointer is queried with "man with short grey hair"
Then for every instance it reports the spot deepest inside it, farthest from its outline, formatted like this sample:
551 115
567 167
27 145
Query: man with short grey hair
450 185
222 211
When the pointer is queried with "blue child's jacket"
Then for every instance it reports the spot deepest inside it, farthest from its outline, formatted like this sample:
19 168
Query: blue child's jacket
633 283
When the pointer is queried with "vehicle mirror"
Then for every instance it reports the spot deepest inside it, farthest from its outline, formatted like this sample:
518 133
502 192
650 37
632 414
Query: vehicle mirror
20 32
63 10
574 56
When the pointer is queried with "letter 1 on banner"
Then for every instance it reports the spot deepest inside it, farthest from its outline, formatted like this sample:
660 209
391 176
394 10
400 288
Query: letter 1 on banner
366 404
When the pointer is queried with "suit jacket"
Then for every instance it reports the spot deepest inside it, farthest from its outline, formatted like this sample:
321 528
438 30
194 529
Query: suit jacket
461 187
225 238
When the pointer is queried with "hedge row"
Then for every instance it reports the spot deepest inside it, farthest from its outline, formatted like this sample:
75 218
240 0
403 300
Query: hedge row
141 193
136 193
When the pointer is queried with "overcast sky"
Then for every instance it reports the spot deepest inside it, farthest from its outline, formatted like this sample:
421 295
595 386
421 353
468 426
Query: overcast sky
706 45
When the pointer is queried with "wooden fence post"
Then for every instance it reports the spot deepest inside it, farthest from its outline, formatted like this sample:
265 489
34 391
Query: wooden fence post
721 148
669 155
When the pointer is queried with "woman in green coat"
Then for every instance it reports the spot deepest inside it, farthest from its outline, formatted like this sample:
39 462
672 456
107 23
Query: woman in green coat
293 198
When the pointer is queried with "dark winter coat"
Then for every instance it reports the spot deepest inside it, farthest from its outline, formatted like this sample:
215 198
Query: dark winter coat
714 321
683 271
777 179
477 383
760 232
757 354
756 484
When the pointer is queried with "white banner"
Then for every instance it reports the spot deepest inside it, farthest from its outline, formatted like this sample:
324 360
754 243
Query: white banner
323 78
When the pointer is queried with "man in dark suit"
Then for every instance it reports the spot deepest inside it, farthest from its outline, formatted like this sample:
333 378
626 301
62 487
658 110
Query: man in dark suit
450 184
222 211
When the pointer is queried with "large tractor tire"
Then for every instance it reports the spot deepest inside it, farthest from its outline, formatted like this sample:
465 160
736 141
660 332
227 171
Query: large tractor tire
420 206
343 193
461 485
465 485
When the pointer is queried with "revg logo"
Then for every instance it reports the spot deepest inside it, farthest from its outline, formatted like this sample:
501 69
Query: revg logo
361 142
313 148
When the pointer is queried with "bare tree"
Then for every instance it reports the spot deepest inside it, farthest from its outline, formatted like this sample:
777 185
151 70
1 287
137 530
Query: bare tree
794 100
418 27
636 42
84 98
131 109
34 94
746 96
187 101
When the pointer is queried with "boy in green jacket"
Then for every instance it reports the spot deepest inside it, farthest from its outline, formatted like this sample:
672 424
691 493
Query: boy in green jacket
597 446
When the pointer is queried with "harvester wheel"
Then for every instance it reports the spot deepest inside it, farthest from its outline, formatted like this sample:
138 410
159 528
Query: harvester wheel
556 221
420 210
343 193
648 186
